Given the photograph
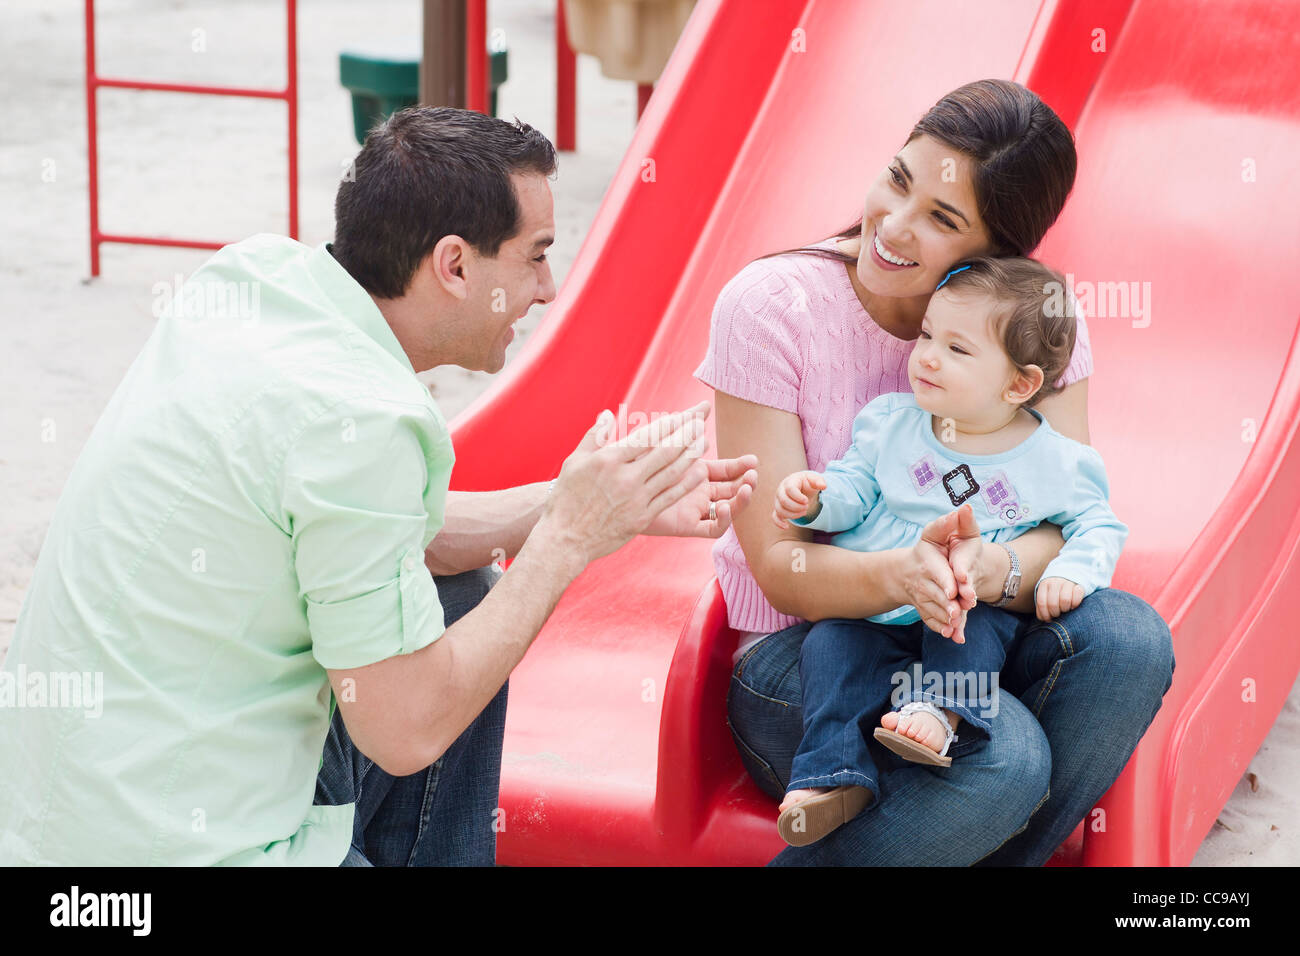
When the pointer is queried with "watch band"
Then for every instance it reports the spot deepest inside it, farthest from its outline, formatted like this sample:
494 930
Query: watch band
1011 586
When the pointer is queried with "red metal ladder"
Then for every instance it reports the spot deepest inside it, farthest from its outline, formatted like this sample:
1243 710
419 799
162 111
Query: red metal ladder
94 82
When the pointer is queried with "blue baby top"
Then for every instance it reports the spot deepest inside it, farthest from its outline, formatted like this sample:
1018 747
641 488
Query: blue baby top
897 477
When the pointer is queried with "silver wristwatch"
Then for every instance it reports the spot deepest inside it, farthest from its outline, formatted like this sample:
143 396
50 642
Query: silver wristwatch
1011 586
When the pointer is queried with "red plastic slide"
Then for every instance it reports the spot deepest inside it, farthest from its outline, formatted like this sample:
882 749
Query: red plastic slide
767 126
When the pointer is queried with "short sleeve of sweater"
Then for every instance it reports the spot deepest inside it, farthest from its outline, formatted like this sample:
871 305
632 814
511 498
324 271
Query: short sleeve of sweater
755 343
1080 366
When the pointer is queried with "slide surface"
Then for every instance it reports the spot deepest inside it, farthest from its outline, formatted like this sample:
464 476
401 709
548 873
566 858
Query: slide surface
767 126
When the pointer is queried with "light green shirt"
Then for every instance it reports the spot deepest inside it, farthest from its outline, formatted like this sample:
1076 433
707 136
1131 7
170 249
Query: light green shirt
251 509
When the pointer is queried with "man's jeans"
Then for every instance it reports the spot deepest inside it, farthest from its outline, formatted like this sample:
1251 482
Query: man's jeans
443 815
853 670
1088 684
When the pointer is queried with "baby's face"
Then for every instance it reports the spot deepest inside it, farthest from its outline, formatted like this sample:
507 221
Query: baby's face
957 368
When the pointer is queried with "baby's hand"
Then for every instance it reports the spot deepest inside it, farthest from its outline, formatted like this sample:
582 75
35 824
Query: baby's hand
1055 596
796 496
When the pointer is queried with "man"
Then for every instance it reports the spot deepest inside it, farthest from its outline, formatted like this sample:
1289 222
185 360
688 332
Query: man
250 532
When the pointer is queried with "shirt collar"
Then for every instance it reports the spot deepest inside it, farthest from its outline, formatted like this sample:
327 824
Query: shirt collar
354 302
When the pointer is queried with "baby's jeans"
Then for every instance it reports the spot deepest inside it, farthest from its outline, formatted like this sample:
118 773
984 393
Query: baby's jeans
854 670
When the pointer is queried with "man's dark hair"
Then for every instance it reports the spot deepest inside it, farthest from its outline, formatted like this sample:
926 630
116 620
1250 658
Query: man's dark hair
426 173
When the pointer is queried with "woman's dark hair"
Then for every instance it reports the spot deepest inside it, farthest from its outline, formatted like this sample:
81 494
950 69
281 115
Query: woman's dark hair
1022 157
1035 314
426 173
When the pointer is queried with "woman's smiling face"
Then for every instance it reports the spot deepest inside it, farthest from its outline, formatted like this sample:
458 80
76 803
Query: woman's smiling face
920 218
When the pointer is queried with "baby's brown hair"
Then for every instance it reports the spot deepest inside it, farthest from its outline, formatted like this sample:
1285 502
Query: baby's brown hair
1035 319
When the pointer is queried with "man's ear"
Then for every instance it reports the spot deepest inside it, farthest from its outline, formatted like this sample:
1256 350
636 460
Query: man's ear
447 263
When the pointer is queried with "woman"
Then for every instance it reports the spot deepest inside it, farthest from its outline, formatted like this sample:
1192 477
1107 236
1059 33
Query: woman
800 342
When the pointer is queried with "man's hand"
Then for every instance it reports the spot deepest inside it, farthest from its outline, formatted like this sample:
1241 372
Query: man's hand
610 491
1054 596
726 493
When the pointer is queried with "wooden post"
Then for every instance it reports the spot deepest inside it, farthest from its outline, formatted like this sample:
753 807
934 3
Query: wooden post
442 67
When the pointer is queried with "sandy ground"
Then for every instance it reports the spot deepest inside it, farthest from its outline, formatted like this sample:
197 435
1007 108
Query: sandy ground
215 168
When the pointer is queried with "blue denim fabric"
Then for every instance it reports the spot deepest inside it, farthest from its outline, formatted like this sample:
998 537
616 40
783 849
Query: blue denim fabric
853 670
1087 683
1094 677
442 815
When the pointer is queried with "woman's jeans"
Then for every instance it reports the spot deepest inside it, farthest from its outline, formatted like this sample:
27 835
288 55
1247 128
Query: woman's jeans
1081 690
853 670
443 815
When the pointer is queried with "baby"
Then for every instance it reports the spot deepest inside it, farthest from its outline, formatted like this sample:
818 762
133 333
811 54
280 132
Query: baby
996 334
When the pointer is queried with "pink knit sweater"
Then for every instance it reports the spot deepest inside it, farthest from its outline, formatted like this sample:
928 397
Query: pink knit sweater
789 332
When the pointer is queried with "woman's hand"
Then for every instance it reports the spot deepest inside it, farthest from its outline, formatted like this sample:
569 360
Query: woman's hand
979 570
927 579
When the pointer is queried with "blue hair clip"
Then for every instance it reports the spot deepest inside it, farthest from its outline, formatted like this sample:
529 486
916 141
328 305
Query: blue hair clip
949 276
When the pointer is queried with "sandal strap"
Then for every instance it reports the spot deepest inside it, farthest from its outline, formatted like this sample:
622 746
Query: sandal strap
925 707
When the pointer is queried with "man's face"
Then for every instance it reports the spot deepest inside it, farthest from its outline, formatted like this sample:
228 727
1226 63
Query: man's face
518 278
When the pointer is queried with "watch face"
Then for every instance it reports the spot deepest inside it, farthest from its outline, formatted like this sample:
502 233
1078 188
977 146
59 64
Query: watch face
1012 585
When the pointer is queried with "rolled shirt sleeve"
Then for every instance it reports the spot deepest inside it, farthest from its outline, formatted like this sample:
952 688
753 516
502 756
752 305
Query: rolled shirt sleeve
363 489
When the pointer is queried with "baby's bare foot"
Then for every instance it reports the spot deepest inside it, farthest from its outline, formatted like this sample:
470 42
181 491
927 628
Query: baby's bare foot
799 796
924 728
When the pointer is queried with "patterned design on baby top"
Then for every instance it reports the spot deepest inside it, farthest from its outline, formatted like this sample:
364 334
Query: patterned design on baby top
1001 499
960 484
924 474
